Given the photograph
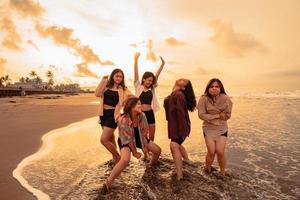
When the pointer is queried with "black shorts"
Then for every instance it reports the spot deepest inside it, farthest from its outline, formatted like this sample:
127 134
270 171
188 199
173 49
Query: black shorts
150 116
108 119
178 140
138 144
122 145
224 134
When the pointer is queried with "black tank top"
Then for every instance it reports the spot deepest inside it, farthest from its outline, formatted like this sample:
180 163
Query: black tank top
111 98
146 97
138 141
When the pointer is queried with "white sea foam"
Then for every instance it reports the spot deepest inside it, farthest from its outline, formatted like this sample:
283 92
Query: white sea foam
47 146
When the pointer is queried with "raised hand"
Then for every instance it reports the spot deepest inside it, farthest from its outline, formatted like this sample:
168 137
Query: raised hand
137 55
161 67
162 60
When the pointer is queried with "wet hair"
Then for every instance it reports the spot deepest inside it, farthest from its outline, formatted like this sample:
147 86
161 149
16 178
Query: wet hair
129 105
148 75
190 96
111 82
209 84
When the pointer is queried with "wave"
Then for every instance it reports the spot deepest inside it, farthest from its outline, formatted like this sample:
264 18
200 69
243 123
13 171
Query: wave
47 146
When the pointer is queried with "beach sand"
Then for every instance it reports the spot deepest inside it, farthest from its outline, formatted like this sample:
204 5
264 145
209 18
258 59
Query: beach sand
23 122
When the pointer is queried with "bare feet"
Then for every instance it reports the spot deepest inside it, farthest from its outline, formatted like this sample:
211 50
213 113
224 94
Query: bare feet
222 172
104 189
207 170
179 177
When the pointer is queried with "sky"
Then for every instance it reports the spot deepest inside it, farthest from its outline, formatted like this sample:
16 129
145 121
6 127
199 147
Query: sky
251 45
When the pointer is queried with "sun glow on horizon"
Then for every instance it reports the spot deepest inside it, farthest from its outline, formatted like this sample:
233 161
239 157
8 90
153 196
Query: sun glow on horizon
85 40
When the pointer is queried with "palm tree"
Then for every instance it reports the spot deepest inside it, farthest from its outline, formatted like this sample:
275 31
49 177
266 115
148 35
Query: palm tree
49 74
51 82
38 80
22 80
7 80
50 77
27 79
33 74
1 81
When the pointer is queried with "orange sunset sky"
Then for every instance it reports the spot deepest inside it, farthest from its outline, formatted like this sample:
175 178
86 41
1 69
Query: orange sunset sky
251 45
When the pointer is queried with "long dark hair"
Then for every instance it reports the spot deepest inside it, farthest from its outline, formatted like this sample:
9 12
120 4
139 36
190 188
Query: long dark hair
111 82
129 104
209 84
148 75
190 96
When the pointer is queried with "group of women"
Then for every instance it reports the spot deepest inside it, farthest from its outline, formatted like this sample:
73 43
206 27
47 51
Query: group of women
136 124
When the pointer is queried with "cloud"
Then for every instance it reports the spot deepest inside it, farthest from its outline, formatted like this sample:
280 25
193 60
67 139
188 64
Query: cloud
150 53
174 42
64 36
133 45
284 73
233 43
201 71
12 39
27 8
173 62
193 70
83 70
148 45
30 42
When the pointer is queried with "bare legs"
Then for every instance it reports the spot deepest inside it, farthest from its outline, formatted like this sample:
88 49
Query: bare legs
178 153
108 141
220 150
151 131
120 166
183 152
215 147
156 151
125 159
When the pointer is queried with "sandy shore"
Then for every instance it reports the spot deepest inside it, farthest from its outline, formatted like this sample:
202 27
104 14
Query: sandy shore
23 121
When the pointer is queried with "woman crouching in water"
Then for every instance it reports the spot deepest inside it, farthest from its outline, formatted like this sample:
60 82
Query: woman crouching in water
133 131
177 105
112 92
214 108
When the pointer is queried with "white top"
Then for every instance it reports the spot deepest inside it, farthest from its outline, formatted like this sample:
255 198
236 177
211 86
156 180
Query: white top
139 88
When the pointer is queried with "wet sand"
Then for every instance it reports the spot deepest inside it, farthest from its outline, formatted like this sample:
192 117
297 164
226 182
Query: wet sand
23 121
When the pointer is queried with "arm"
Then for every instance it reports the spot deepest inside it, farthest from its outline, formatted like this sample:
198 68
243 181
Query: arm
136 68
134 151
101 87
202 111
128 93
228 109
160 68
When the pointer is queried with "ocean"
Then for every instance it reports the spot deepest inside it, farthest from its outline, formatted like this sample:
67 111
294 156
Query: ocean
263 158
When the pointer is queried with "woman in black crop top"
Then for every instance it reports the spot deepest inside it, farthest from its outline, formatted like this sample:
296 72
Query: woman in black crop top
146 92
107 120
146 97
111 98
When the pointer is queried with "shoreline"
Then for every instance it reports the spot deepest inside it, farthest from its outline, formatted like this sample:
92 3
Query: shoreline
47 145
23 122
